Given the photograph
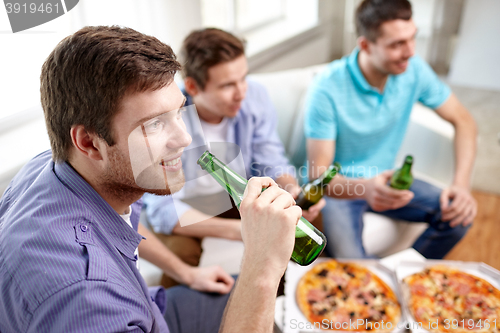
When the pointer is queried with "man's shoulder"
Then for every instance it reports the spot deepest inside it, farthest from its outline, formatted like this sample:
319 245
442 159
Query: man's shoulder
40 257
417 67
334 71
38 220
257 101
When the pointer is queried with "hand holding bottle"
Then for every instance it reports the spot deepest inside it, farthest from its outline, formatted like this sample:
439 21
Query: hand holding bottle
381 197
268 225
312 212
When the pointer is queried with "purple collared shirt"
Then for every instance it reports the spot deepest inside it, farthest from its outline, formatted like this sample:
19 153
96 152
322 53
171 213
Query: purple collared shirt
67 259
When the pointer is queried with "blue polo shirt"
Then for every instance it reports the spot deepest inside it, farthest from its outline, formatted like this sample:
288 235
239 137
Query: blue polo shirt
368 126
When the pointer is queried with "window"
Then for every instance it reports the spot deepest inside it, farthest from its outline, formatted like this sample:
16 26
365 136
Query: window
263 23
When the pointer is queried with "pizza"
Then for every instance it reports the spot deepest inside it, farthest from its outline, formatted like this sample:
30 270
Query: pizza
445 299
347 297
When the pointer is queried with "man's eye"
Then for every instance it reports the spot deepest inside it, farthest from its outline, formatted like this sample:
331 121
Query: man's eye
153 126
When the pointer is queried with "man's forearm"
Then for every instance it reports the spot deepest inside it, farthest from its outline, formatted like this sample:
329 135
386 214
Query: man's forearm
158 254
252 302
208 227
346 188
465 151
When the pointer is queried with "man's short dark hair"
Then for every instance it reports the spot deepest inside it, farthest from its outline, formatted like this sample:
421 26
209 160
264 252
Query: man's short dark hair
372 13
205 48
86 76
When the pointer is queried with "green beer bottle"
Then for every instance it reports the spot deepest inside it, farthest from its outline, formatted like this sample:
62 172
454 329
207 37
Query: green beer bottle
402 178
313 191
309 241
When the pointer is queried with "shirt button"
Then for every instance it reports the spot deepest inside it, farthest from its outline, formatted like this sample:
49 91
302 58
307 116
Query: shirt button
84 228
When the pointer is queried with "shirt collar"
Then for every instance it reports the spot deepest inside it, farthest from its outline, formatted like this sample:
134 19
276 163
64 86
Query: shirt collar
356 74
125 239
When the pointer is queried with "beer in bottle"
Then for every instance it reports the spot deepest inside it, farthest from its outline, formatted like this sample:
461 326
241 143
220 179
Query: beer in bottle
402 178
309 241
313 191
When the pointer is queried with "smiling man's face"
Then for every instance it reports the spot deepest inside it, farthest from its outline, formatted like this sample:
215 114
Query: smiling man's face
150 138
394 47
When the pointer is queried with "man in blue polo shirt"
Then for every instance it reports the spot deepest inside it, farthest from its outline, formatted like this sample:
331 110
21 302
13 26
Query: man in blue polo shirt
357 113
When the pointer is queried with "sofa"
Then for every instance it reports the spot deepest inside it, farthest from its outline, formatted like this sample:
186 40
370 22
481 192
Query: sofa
429 139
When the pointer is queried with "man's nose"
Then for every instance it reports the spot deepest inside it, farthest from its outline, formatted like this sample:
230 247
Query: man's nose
241 90
179 137
409 50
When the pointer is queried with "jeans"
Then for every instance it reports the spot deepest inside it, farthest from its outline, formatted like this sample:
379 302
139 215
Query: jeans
343 224
190 311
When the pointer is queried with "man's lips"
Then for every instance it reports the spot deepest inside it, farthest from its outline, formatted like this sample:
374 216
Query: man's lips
172 164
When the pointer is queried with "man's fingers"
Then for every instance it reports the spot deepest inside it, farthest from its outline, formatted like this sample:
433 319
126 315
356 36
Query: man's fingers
391 193
317 207
295 213
218 287
226 278
458 202
457 208
386 175
444 200
255 186
272 193
461 217
283 200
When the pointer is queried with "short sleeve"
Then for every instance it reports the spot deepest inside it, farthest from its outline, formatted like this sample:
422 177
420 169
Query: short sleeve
319 118
433 92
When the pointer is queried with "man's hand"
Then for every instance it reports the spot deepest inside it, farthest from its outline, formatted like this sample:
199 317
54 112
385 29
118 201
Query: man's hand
268 226
381 197
314 210
461 210
210 279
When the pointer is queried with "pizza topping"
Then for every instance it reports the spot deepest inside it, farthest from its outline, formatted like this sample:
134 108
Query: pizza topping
316 295
323 273
339 280
463 289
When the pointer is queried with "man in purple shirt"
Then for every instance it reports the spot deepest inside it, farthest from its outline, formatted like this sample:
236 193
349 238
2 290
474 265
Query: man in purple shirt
69 219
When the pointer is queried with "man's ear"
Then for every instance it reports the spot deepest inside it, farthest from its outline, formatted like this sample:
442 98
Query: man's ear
191 86
86 143
363 44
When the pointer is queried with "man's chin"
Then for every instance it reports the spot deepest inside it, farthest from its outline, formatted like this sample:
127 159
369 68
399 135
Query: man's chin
168 191
165 184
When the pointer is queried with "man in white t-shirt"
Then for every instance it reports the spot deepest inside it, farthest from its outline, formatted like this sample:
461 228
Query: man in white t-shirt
236 121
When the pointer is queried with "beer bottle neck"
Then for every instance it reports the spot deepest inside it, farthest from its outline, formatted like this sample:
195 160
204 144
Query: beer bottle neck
406 168
225 176
327 176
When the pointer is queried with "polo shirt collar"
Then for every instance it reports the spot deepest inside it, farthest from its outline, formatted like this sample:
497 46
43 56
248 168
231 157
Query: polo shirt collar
356 74
124 238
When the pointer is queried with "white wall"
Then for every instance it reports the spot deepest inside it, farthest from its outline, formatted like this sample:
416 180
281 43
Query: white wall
477 54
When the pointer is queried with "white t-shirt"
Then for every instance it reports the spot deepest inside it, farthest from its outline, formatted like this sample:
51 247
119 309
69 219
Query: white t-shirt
126 218
213 133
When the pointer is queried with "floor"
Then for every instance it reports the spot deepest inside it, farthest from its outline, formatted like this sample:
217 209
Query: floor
481 242
484 106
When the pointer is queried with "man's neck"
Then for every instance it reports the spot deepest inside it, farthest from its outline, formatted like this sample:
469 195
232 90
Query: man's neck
120 201
206 115
372 75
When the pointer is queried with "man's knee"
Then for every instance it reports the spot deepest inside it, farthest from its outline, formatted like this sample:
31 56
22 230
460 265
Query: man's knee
188 249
